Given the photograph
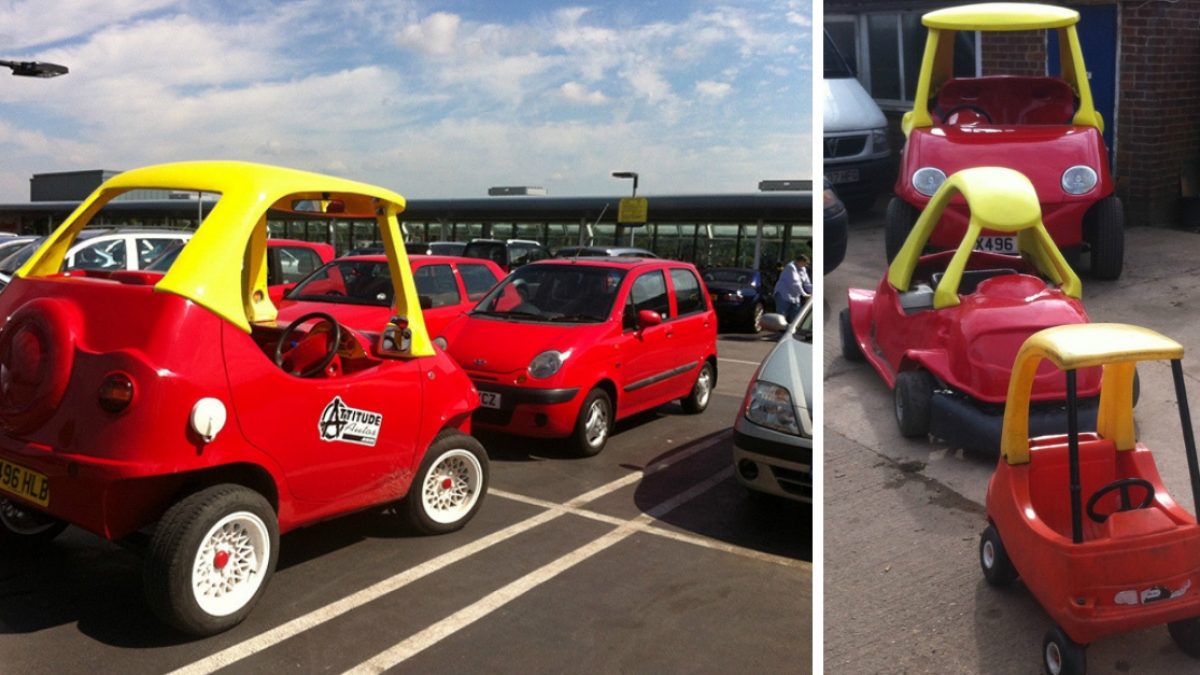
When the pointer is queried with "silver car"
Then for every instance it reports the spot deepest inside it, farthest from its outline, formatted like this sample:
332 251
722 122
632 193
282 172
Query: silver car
772 436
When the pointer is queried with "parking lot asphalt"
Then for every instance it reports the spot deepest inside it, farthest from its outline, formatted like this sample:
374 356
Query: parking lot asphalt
648 558
903 589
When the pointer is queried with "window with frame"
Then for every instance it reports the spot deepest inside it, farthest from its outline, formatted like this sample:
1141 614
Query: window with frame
437 283
102 255
649 292
477 278
688 299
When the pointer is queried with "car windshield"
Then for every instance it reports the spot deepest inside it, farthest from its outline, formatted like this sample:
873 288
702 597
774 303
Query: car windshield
835 66
804 331
729 276
14 261
350 282
565 293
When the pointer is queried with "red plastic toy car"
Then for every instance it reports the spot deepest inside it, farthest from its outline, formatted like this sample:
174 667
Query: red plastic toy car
131 400
288 261
358 290
1134 562
942 329
564 347
1046 127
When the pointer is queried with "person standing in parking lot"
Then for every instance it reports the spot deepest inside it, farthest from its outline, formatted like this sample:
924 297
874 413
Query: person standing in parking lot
793 287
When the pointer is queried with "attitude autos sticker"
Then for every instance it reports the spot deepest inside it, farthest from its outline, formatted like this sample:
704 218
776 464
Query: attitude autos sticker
340 422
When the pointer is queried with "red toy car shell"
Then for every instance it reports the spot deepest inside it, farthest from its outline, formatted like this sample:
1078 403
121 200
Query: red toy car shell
288 261
942 329
1046 127
357 289
1084 519
564 347
114 420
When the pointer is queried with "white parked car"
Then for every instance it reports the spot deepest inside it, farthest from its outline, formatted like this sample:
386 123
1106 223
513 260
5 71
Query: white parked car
772 436
104 249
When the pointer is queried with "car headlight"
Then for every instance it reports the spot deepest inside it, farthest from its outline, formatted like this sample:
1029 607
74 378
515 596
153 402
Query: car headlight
1078 180
879 141
546 364
770 406
927 180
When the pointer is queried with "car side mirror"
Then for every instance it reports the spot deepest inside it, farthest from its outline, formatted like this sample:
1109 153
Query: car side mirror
647 318
774 322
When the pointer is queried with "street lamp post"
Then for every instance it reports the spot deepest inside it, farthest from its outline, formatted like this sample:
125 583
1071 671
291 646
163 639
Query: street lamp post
34 68
620 229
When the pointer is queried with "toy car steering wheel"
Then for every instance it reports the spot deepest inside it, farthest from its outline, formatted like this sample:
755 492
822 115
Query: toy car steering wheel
331 343
1123 485
967 106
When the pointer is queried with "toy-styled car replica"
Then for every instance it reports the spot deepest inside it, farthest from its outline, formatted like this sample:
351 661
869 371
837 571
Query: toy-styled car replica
358 290
942 329
740 295
288 261
132 400
1045 127
772 435
563 348
1134 561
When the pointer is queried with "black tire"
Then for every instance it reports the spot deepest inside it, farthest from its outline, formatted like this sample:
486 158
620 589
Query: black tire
850 349
913 400
210 520
594 424
1061 655
997 568
26 529
1105 227
755 324
900 219
696 401
1186 635
449 486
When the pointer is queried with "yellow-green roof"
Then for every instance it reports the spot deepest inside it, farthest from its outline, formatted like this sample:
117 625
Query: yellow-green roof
1001 16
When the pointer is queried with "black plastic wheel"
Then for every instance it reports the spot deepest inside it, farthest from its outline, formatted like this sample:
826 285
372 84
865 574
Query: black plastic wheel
900 219
1105 226
23 528
1061 655
449 486
997 568
913 400
594 423
210 559
850 349
1186 635
696 401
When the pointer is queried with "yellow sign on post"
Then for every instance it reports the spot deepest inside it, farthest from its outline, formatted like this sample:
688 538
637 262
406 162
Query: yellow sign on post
633 210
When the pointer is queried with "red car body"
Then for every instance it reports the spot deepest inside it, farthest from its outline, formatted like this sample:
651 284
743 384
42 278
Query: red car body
447 286
640 351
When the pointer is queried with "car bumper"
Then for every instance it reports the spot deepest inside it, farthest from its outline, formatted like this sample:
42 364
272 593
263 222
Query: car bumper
768 461
528 411
736 313
964 423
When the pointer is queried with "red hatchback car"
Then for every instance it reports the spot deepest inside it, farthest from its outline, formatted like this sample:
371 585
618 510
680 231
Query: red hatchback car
562 348
358 290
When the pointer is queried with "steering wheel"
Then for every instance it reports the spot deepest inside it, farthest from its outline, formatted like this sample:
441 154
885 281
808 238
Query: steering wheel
967 106
1123 485
308 344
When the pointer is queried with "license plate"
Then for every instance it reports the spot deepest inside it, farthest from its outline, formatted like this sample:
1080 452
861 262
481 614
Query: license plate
842 176
31 485
1006 245
489 399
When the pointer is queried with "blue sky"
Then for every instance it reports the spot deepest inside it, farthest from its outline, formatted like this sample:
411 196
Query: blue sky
429 99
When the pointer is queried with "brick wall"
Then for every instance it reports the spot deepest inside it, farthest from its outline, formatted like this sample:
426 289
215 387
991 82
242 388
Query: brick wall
1016 53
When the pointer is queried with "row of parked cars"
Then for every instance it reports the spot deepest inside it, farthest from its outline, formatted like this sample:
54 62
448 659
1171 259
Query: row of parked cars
353 386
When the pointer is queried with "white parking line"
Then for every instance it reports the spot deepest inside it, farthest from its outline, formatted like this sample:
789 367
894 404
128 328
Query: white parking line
466 616
258 643
748 363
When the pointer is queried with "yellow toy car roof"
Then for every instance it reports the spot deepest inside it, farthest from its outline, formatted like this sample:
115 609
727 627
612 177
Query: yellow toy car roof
1115 346
223 267
1001 16
1000 200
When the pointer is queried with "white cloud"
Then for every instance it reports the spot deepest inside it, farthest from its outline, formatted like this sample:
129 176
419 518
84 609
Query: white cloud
713 90
24 24
578 93
799 19
437 34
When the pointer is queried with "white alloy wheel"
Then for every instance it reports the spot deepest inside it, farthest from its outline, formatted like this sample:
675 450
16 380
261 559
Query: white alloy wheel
703 388
230 563
596 425
451 486
1054 658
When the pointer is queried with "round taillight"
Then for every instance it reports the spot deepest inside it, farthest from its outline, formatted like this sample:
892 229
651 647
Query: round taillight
116 392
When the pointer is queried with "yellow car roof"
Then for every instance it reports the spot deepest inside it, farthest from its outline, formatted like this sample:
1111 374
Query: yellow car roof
1095 344
1001 16
209 270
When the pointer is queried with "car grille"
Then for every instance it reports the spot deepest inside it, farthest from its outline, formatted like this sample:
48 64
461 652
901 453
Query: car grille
798 483
844 146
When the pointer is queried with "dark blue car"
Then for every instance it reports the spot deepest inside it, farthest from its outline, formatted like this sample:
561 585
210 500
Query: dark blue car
740 295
